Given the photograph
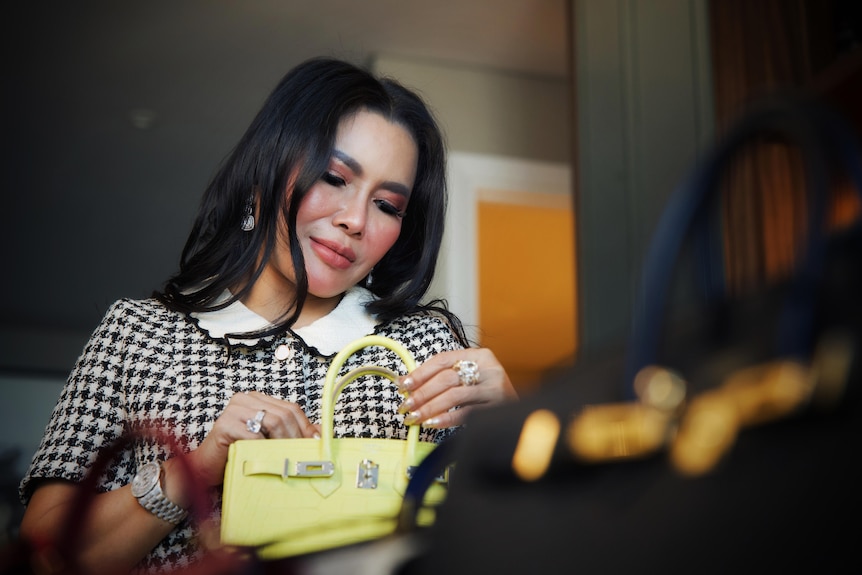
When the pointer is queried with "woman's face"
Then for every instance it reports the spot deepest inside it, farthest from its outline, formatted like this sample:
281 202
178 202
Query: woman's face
352 216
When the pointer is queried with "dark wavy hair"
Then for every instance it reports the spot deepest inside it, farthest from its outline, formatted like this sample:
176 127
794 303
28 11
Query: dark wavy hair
292 137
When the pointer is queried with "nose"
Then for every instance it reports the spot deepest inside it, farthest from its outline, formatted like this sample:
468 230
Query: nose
352 215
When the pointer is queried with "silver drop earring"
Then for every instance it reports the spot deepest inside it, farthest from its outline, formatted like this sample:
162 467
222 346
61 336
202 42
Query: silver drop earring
368 279
248 218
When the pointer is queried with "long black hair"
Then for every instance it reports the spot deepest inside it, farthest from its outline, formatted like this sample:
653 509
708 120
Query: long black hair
291 139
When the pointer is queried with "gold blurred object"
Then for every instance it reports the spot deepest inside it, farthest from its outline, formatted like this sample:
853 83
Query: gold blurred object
617 431
750 396
660 387
630 430
832 361
700 431
758 395
769 391
706 433
536 444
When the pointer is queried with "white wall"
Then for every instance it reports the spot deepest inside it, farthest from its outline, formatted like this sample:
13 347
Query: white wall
491 112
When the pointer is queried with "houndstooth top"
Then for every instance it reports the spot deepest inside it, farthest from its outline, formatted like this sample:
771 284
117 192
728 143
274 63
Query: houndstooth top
145 363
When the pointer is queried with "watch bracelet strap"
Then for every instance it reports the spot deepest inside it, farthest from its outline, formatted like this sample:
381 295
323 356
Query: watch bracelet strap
157 503
164 508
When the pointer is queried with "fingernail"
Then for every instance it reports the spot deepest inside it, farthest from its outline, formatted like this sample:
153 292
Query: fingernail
406 405
431 422
405 383
412 418
316 435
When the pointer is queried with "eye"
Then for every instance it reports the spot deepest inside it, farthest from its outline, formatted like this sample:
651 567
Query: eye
388 208
333 179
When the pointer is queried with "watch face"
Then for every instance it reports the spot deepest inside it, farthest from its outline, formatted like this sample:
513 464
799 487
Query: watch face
147 477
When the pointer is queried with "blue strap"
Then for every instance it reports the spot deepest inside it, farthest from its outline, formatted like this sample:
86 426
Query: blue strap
820 135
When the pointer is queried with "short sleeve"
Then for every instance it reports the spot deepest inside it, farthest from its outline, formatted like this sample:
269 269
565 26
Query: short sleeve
89 413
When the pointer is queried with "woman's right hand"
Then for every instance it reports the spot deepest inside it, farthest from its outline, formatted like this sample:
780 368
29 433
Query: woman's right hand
281 420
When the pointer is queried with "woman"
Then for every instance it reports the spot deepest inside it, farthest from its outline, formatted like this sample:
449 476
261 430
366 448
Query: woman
322 226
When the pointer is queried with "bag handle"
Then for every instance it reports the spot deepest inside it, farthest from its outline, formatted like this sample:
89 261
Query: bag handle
816 131
333 387
657 412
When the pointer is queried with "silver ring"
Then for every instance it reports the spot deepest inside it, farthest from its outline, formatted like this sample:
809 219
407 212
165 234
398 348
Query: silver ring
255 425
468 371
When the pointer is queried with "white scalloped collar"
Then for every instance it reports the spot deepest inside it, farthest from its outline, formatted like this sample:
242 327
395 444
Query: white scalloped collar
347 322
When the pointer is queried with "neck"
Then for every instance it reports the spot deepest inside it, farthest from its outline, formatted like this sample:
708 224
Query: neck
275 303
316 308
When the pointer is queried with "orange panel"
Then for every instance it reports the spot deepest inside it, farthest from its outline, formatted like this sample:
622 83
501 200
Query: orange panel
527 287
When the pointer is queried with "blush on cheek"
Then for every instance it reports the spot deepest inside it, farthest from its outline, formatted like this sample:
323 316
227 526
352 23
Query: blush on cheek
390 238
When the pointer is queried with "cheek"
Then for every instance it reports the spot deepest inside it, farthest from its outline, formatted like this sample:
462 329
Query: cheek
385 237
312 206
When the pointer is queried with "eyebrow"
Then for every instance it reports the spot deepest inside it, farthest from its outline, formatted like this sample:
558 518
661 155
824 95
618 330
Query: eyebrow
356 167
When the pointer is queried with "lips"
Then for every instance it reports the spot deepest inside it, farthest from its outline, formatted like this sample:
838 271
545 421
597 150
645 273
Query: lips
333 253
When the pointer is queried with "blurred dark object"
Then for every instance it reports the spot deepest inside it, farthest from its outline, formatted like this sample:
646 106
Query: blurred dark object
766 47
61 557
725 440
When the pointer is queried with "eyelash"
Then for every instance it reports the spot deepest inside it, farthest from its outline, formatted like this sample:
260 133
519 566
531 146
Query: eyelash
388 208
333 180
383 205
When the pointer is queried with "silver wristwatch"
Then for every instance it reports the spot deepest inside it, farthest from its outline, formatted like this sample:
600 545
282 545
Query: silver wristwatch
147 488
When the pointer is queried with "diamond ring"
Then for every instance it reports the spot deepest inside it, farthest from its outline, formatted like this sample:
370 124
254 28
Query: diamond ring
256 424
468 371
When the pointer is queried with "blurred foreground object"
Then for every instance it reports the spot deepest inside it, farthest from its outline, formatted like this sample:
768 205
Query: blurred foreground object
717 441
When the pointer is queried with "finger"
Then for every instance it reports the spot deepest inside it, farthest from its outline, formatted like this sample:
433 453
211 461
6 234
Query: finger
286 421
492 375
440 383
313 430
238 419
451 418
282 419
481 384
442 362
433 366
255 424
438 411
293 425
472 367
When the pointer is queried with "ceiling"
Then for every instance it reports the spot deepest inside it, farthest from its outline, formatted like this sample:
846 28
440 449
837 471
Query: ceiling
117 113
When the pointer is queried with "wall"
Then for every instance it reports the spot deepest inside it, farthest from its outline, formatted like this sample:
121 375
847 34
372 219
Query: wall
644 111
508 133
491 112
509 136
24 411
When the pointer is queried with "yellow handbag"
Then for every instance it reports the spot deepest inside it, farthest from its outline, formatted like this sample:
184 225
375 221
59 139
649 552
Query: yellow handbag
287 497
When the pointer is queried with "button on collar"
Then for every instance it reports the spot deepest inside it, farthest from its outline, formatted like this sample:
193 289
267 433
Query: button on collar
283 352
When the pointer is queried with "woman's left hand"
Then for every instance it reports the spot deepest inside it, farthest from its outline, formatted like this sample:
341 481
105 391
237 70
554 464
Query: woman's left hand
467 378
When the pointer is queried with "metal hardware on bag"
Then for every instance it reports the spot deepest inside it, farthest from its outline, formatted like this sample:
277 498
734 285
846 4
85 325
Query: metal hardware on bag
311 469
535 448
750 396
366 474
443 478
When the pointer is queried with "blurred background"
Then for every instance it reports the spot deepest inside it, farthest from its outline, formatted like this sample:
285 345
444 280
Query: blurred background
569 122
